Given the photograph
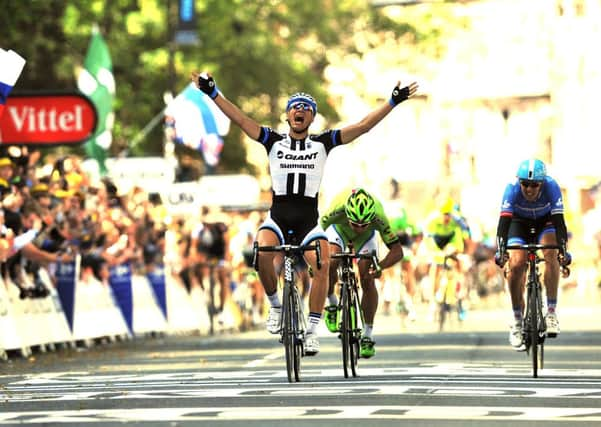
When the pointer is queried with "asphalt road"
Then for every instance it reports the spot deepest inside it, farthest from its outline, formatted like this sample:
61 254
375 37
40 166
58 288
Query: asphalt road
419 377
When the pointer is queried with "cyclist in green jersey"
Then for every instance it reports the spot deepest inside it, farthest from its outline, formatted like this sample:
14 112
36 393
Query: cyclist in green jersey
444 237
355 218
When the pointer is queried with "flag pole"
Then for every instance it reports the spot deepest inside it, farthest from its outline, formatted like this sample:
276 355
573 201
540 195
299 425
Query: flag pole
147 129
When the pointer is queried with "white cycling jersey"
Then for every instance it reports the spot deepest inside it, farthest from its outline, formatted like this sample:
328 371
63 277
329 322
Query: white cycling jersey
296 168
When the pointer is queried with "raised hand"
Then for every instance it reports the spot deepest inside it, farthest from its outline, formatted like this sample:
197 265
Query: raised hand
206 83
402 94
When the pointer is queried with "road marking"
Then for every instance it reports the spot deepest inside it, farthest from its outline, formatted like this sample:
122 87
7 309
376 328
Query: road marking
425 372
260 362
263 388
488 413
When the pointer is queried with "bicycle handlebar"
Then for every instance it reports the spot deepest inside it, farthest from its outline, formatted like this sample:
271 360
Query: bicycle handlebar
287 249
350 255
533 247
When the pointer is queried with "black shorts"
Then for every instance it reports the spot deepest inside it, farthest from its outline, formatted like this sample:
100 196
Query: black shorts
523 230
296 216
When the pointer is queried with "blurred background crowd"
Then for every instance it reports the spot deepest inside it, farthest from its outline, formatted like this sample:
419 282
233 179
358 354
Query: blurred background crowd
488 98
54 211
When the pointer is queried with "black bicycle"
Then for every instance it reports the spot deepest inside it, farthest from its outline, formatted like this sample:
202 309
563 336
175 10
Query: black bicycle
293 325
533 324
349 307
211 267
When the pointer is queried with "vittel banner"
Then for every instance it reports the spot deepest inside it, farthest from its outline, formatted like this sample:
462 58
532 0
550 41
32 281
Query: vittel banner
47 119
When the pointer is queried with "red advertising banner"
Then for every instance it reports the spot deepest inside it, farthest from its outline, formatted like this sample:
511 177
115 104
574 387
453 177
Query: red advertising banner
47 119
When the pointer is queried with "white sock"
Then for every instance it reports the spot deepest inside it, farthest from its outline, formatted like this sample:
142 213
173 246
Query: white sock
274 300
313 321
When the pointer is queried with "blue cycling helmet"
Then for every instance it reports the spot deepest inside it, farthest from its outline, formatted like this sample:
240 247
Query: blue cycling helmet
302 97
532 170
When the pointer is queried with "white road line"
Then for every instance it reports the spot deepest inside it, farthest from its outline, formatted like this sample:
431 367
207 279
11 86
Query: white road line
268 391
262 361
424 373
487 413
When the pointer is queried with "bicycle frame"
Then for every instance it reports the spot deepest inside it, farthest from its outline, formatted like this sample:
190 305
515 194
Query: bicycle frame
293 325
533 323
350 330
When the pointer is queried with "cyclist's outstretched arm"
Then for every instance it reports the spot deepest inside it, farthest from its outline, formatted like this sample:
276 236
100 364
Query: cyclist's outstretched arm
206 83
399 94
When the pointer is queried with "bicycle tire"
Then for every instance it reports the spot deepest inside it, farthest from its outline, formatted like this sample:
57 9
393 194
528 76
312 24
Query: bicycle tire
345 330
296 331
288 337
542 328
442 315
212 309
533 332
356 331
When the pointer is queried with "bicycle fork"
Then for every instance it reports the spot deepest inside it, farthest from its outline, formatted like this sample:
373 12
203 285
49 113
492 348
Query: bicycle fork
296 309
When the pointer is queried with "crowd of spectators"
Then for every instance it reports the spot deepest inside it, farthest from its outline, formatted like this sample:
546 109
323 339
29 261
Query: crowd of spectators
52 211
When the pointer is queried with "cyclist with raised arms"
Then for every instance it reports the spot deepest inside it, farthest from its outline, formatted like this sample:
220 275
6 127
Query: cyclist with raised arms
355 218
532 202
296 164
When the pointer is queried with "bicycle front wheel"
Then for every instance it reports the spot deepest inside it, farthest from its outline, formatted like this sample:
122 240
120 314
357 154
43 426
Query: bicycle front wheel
298 331
289 335
345 330
349 331
356 331
533 327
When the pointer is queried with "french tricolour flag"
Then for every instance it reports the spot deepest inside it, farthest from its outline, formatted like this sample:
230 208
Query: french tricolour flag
10 70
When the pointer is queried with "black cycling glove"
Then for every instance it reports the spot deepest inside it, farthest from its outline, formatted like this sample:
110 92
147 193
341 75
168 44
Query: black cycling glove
501 255
399 95
208 86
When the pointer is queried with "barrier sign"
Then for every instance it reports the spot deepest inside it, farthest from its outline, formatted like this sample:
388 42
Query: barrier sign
186 198
50 119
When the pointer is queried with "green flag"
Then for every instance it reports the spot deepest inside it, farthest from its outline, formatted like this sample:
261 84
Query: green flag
97 82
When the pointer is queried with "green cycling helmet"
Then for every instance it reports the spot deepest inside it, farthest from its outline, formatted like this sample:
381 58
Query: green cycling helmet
360 207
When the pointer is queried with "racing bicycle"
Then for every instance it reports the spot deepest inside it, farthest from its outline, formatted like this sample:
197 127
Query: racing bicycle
293 325
533 323
449 299
349 308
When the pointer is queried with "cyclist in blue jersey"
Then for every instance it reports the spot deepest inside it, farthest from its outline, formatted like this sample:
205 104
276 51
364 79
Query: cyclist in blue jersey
296 164
532 202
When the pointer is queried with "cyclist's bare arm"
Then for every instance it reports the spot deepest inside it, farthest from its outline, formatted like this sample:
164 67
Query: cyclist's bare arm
394 255
351 132
251 128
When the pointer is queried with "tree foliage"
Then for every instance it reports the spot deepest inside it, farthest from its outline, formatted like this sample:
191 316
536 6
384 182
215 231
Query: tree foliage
259 52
